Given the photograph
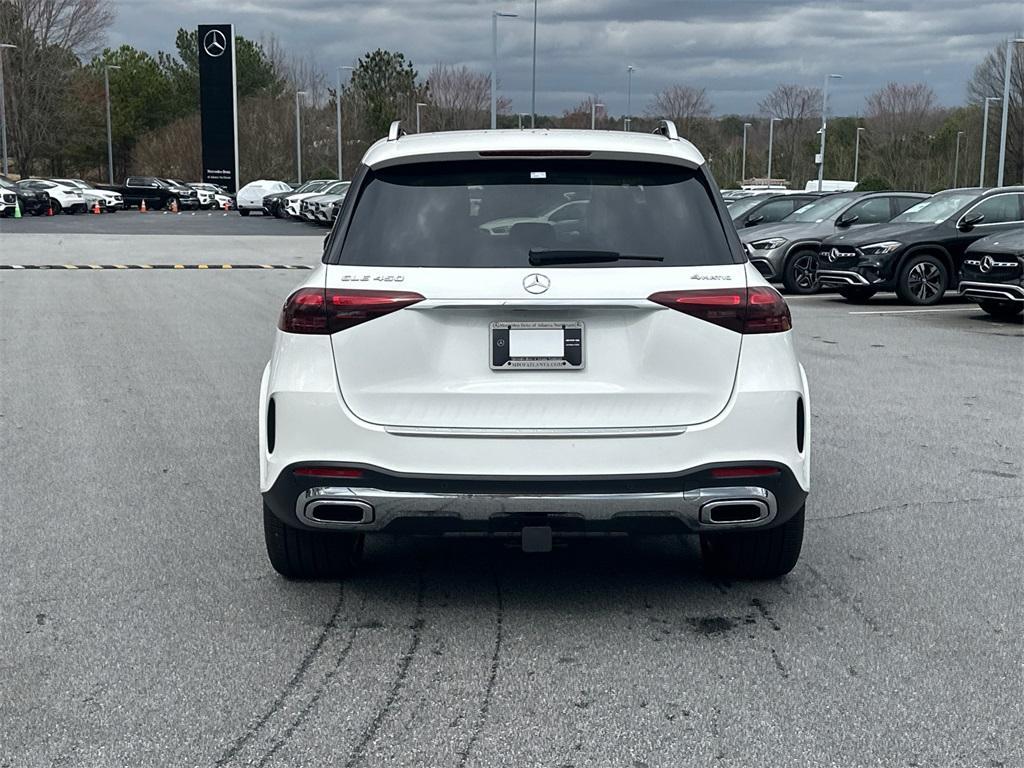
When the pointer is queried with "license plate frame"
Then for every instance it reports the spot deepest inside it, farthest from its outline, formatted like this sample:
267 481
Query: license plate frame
572 357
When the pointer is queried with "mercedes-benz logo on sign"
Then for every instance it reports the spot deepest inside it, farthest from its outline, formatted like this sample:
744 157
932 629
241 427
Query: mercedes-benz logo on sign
536 283
215 43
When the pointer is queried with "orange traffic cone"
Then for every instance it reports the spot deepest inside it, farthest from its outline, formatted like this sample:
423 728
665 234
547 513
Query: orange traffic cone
142 207
49 210
174 206
96 207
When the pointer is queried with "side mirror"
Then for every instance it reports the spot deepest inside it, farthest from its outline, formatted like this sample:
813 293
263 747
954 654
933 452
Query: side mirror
754 220
845 220
967 222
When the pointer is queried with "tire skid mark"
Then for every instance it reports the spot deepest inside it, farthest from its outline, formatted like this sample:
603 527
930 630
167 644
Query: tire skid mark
485 705
278 704
318 694
871 622
358 753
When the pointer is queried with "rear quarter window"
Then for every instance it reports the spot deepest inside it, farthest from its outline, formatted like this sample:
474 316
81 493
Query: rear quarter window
492 213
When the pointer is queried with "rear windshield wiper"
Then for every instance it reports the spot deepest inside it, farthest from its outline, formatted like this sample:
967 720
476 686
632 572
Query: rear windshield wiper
541 256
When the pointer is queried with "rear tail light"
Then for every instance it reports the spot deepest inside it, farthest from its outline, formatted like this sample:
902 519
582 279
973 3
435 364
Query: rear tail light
744 310
348 472
322 311
722 473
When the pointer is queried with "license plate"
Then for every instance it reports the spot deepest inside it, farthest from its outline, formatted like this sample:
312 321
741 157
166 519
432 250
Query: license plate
536 345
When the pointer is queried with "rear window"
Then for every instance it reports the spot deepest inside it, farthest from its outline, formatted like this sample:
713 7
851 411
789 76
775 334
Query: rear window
493 213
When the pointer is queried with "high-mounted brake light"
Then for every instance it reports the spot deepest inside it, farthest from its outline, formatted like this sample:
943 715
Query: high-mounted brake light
744 310
348 472
323 311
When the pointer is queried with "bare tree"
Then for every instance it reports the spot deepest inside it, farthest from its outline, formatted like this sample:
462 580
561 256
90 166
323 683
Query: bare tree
50 36
798 108
459 98
902 118
988 81
685 105
580 115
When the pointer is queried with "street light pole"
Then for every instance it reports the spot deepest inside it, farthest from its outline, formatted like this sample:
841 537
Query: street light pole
1006 109
593 113
824 112
3 107
771 142
110 140
298 137
956 159
984 139
743 167
627 123
856 156
338 105
494 64
521 116
418 105
533 88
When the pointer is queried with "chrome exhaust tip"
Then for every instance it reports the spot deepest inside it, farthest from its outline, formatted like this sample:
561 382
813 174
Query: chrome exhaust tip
735 512
337 514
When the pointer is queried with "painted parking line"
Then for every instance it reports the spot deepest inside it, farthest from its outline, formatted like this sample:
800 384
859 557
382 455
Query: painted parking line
154 266
913 311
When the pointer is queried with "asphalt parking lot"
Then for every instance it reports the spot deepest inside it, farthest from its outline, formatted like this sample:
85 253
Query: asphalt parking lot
141 623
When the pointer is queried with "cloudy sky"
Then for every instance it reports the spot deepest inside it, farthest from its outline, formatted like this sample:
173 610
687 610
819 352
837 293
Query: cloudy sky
736 49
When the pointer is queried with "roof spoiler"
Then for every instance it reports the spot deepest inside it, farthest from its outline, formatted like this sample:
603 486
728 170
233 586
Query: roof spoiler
665 127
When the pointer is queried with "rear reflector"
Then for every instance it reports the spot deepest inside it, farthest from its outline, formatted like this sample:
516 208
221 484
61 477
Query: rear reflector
322 311
328 472
726 472
744 310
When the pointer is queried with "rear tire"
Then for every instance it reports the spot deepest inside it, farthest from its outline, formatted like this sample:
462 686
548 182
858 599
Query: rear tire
754 554
55 206
800 274
243 211
857 295
1002 310
301 554
923 280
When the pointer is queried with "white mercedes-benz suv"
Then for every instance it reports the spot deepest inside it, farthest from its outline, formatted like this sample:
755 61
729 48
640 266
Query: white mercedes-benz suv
624 370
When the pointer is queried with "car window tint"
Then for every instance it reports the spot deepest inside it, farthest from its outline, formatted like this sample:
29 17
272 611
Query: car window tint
999 209
900 204
873 211
775 210
493 213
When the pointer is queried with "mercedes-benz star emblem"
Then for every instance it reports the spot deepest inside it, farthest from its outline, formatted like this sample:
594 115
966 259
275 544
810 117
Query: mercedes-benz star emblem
215 43
536 283
834 254
987 263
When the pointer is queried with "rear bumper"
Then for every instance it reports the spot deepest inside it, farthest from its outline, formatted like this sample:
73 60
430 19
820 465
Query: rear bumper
991 291
656 480
683 503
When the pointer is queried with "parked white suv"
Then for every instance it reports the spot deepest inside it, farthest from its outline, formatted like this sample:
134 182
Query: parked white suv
631 373
250 197
109 201
63 198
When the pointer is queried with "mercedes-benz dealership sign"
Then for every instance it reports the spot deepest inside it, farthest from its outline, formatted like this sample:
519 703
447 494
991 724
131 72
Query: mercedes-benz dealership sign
218 104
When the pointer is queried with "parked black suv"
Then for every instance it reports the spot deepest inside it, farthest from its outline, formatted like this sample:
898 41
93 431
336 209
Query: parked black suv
786 251
993 274
919 253
31 201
